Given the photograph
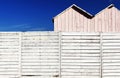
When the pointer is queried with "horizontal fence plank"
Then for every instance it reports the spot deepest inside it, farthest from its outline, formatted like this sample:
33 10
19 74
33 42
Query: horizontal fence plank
40 57
80 55
111 55
9 54
40 52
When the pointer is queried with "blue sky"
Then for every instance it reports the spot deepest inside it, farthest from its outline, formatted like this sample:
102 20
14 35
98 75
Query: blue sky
36 15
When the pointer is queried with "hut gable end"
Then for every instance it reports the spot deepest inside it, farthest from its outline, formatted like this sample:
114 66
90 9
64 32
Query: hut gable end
107 20
76 19
70 20
78 9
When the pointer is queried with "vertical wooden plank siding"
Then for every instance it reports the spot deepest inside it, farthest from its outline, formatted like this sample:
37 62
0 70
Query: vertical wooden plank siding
67 22
92 25
103 24
84 25
77 21
105 21
56 24
96 23
113 19
74 20
110 20
117 20
63 19
70 21
99 23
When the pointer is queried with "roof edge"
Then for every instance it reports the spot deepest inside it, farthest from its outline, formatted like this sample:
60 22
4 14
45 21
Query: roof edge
108 7
78 8
74 5
92 16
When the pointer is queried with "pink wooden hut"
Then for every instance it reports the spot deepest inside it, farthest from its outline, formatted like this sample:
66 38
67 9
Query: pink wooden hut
75 19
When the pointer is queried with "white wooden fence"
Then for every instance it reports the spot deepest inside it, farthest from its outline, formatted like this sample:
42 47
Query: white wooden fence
59 55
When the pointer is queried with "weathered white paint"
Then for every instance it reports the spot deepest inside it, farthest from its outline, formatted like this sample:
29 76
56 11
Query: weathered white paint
40 54
111 56
9 54
59 55
80 55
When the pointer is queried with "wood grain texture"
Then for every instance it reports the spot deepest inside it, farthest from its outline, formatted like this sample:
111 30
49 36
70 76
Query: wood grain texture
105 21
78 59
42 56
59 55
9 54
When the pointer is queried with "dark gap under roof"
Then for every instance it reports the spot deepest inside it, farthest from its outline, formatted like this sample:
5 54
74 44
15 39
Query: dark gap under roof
82 12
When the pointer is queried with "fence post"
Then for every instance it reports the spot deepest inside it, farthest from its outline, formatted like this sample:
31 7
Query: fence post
59 54
101 54
20 54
